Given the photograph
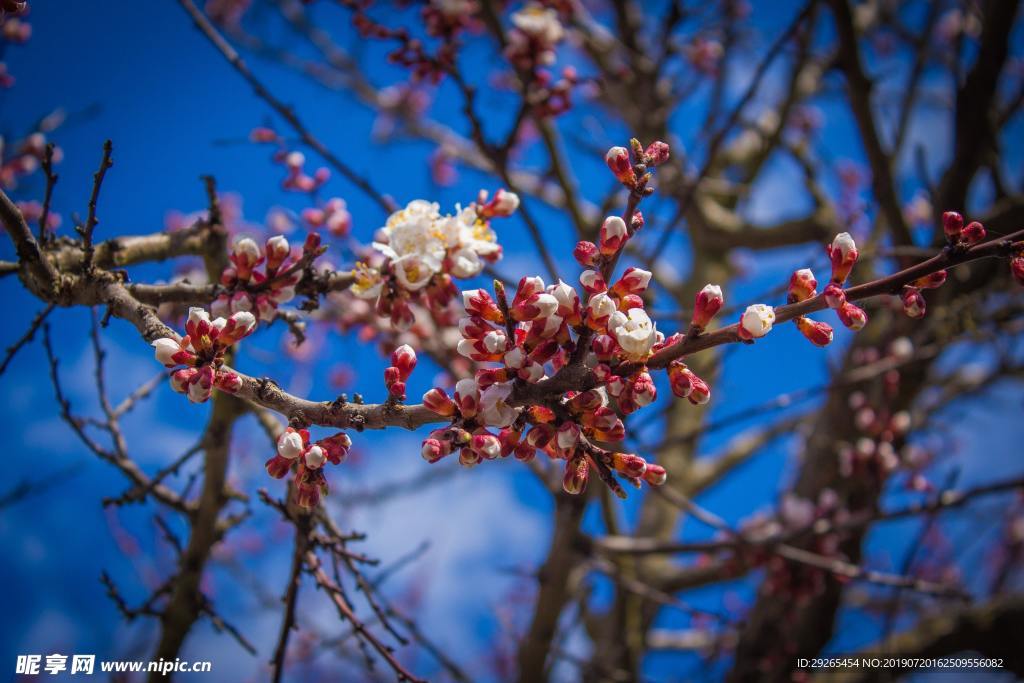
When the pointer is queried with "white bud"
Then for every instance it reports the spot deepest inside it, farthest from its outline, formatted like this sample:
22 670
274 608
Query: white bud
290 446
758 319
165 348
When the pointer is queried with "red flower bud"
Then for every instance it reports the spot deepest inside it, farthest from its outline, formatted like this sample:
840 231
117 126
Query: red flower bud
1017 268
834 295
618 161
973 233
404 358
708 303
952 225
843 254
913 303
802 285
577 469
853 316
656 153
436 400
585 254
613 235
655 475
818 333
629 465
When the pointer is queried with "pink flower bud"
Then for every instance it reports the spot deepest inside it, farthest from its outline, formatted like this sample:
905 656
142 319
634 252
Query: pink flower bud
200 386
629 465
585 254
181 378
467 397
802 285
397 390
567 436
708 303
540 435
655 475
593 282
613 235
853 316
818 333
656 153
685 384
197 325
952 225
436 400
577 469
618 161
843 254
973 233
404 358
245 254
1017 268
228 382
604 347
643 389
633 281
169 352
486 445
541 305
479 303
834 295
433 450
277 251
913 303
236 328
600 309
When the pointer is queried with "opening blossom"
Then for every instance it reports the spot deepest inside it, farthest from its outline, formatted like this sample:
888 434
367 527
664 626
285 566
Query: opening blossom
423 249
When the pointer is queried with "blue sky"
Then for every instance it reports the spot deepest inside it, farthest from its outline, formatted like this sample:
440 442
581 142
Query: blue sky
138 73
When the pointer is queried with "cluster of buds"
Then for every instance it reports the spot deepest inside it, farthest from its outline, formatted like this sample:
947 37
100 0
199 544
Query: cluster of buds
537 31
295 453
633 173
24 159
332 215
294 163
202 352
403 361
419 251
958 234
803 285
261 280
